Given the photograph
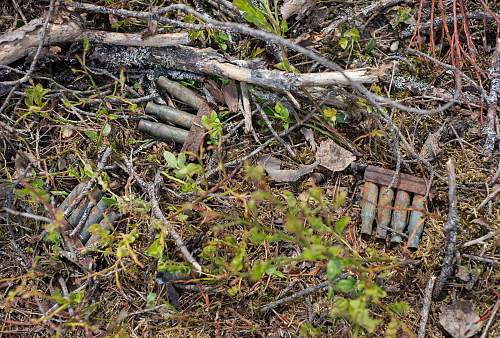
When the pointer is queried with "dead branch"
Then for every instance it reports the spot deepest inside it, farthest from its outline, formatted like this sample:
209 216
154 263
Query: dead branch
494 74
17 44
151 189
301 293
450 228
490 320
426 305
207 61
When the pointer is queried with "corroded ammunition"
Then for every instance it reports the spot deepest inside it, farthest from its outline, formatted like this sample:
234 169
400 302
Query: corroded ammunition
182 93
72 195
399 214
106 224
169 114
79 211
95 216
416 222
368 207
163 131
384 211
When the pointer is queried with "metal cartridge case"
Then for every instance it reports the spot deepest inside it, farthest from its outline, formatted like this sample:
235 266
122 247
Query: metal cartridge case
94 196
163 131
72 195
95 216
106 224
416 222
368 207
399 215
384 211
169 114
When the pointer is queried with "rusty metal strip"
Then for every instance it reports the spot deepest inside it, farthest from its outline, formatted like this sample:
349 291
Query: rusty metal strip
404 182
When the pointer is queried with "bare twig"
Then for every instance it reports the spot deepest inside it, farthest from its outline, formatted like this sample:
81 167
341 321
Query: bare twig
490 320
27 215
450 229
426 305
490 261
490 196
275 134
151 189
40 42
481 239
300 294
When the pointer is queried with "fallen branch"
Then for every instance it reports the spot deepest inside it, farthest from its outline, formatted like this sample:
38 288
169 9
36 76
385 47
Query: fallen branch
207 61
490 320
17 44
426 305
494 74
151 189
450 228
301 293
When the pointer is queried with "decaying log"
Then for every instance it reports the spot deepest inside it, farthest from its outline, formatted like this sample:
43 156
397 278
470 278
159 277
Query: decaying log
17 44
207 61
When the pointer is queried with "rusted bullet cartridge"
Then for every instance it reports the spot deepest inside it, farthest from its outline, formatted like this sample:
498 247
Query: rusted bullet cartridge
384 211
169 114
416 222
75 217
106 224
399 215
368 207
182 93
163 131
72 195
95 216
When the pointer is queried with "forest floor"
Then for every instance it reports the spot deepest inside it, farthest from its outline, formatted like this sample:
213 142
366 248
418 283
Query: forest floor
254 215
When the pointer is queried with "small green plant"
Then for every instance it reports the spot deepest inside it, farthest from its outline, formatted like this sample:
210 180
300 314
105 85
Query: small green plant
282 114
349 38
34 99
98 137
214 126
183 171
263 16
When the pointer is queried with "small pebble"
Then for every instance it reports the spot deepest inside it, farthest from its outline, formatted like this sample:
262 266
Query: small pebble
394 46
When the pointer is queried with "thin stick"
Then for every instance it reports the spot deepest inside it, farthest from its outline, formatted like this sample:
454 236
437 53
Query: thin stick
275 134
490 320
450 229
491 261
301 293
151 190
426 305
481 239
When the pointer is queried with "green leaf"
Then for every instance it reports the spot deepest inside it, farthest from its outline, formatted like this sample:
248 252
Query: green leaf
399 307
156 248
109 201
341 224
333 269
370 46
253 15
343 42
170 159
106 130
86 44
150 300
92 134
345 285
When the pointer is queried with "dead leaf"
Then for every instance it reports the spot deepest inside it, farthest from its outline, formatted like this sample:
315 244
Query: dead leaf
332 156
231 96
54 50
113 19
460 320
245 108
272 166
309 135
431 148
463 273
215 91
296 7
